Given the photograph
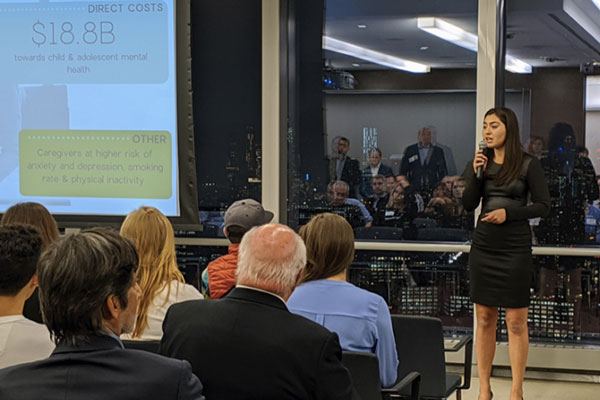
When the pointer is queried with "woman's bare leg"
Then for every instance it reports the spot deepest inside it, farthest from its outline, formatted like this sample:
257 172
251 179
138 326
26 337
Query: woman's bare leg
485 346
518 347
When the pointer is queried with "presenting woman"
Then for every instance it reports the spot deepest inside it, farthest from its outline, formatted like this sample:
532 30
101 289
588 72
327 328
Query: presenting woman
500 263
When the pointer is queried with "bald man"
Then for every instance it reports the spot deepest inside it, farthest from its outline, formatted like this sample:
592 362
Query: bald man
248 345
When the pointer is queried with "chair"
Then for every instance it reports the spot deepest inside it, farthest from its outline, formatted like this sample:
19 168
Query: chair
378 232
364 370
146 345
420 345
425 223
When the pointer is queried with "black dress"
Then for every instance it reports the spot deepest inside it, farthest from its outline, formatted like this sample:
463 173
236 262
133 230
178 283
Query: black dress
500 264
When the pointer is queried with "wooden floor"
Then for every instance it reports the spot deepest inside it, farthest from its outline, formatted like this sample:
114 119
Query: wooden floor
537 390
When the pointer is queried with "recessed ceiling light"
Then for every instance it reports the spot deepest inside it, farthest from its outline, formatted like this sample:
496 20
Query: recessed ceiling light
361 26
424 48
355 64
376 57
460 37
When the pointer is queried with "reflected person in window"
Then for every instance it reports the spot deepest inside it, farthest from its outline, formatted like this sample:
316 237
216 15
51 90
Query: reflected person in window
400 212
360 318
500 261
344 168
350 209
374 168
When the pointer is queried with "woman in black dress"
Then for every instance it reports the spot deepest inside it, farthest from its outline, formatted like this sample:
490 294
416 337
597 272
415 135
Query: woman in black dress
500 263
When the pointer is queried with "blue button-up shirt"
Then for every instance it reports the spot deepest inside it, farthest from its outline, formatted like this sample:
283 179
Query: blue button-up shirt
360 318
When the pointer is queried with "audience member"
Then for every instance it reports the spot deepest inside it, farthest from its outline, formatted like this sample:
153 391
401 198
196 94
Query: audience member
424 164
360 318
160 280
448 181
536 147
400 212
440 206
218 278
410 191
89 296
374 168
448 154
247 345
344 168
337 196
21 340
460 218
377 202
36 215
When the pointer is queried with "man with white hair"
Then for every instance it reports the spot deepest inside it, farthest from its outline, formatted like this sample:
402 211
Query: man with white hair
247 345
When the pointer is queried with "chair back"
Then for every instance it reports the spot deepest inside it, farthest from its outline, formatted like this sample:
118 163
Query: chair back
146 345
364 370
420 345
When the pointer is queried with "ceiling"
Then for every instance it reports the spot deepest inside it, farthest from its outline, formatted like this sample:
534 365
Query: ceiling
539 32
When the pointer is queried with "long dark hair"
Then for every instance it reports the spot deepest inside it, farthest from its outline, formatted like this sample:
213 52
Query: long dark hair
513 157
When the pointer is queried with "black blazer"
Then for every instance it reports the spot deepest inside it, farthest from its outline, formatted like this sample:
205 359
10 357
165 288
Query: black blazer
350 174
249 346
98 370
423 177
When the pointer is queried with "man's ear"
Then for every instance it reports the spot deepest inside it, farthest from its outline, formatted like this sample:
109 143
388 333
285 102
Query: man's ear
225 232
113 306
34 280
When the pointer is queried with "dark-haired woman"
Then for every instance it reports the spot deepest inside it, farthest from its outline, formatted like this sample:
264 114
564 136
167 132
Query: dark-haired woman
500 263
360 318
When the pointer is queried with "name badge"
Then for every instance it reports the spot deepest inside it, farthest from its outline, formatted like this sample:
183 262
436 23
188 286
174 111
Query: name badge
590 221
389 213
413 158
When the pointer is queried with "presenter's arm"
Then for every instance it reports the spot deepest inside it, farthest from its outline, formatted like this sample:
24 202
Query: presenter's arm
332 378
472 194
540 196
386 346
190 387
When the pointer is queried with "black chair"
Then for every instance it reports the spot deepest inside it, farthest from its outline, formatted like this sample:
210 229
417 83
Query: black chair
364 370
425 223
420 345
146 345
378 232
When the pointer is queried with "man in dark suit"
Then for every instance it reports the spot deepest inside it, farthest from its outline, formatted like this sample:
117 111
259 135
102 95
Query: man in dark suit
247 345
374 168
377 203
89 296
423 164
344 168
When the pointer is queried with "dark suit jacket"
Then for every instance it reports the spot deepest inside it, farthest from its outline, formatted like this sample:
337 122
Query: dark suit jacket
350 174
423 177
100 370
247 345
365 188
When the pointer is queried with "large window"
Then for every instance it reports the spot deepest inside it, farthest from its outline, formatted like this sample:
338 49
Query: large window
398 122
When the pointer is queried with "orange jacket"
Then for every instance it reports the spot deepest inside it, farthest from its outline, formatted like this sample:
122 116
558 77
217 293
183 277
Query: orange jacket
221 273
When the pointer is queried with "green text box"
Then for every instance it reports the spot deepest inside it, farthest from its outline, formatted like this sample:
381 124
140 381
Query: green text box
120 164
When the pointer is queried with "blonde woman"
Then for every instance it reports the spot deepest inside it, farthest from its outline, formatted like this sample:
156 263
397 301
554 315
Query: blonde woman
159 277
37 216
360 318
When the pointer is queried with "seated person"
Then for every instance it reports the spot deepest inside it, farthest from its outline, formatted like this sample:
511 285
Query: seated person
247 345
89 296
374 168
161 282
461 218
410 191
400 212
360 318
337 196
377 202
218 278
36 215
441 205
21 340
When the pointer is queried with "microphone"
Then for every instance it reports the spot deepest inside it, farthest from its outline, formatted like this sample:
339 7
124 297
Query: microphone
482 146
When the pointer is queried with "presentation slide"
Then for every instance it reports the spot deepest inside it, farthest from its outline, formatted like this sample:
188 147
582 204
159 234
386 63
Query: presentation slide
88 110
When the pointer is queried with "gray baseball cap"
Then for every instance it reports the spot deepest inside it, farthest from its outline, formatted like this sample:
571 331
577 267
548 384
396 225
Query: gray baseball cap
247 213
